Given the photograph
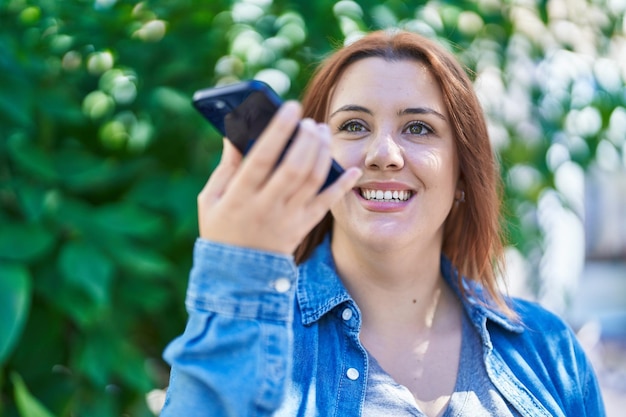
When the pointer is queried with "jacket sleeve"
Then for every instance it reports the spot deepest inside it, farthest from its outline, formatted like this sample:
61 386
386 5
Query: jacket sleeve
592 394
234 355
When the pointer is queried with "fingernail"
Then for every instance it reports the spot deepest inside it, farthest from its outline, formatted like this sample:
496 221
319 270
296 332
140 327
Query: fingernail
307 123
325 132
290 107
324 128
355 172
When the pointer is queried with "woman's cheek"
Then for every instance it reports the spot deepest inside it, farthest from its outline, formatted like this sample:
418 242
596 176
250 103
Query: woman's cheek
347 154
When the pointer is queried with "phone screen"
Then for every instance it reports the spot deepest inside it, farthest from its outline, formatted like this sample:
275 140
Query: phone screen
246 122
238 111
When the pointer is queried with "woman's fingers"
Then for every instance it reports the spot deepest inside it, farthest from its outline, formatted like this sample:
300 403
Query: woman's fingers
216 186
222 174
333 193
300 171
259 203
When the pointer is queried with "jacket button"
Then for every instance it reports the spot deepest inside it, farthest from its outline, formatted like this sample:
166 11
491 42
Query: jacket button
346 314
282 285
352 374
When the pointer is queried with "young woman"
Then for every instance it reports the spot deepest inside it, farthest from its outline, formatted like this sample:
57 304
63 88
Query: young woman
377 297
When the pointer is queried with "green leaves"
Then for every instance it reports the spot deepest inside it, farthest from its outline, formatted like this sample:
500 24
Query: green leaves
15 298
129 220
93 263
87 270
31 159
27 404
24 242
102 156
104 356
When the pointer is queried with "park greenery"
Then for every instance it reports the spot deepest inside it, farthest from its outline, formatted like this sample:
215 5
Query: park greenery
102 155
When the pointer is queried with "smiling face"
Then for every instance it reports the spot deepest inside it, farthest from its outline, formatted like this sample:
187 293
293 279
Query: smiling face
389 119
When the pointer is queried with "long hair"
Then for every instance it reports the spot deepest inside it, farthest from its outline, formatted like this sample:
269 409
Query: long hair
472 233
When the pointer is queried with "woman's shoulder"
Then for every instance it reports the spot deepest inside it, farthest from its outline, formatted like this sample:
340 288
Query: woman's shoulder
534 317
543 340
539 329
546 358
530 312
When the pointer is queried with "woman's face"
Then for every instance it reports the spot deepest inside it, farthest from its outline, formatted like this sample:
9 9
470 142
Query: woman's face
389 119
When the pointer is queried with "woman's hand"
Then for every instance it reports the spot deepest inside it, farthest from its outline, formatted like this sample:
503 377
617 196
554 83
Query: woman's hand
254 203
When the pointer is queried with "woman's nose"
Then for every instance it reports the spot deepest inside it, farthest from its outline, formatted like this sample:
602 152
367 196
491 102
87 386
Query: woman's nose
383 153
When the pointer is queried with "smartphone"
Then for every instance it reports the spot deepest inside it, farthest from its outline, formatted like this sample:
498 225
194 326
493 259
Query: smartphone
241 112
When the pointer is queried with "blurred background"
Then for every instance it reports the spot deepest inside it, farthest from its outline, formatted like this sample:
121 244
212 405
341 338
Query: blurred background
102 155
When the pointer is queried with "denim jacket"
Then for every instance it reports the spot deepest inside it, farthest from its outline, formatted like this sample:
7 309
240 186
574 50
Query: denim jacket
268 338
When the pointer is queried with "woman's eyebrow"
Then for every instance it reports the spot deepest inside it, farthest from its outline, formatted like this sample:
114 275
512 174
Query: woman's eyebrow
351 108
421 110
410 110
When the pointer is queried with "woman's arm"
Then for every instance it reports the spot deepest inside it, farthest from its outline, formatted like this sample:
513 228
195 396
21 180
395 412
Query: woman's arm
234 355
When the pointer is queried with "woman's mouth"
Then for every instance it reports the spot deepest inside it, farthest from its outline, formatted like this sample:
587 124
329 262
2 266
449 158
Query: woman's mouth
385 195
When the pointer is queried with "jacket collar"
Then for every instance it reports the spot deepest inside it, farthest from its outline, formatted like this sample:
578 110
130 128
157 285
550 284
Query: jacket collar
320 290
477 303
319 287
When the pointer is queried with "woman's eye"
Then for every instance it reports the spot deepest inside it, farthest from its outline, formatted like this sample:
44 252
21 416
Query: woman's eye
352 126
419 128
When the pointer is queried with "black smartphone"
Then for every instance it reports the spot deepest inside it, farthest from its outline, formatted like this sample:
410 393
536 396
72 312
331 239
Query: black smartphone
242 111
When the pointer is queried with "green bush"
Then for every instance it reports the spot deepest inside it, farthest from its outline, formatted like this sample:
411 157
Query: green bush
102 155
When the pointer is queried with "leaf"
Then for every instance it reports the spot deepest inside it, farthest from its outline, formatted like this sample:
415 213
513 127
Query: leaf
142 261
24 242
130 220
133 258
95 357
105 357
174 195
83 172
172 100
68 302
86 268
155 296
72 215
31 158
32 199
12 113
60 104
131 366
27 404
16 90
15 296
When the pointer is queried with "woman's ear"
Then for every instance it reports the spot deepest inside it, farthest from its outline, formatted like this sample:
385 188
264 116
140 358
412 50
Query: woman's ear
459 196
459 193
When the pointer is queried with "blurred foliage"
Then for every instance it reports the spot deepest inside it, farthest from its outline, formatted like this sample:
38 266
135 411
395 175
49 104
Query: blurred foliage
102 155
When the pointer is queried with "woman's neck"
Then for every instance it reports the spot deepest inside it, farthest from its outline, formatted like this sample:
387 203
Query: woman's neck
399 286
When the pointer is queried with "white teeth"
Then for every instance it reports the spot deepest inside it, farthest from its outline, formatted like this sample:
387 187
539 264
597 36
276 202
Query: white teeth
387 195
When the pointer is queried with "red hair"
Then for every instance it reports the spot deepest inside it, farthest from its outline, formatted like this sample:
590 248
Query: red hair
472 236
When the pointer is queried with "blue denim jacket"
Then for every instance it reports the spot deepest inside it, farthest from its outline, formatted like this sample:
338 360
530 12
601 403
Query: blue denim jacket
268 338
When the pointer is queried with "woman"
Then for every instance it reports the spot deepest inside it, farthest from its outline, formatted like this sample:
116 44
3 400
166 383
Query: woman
389 305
